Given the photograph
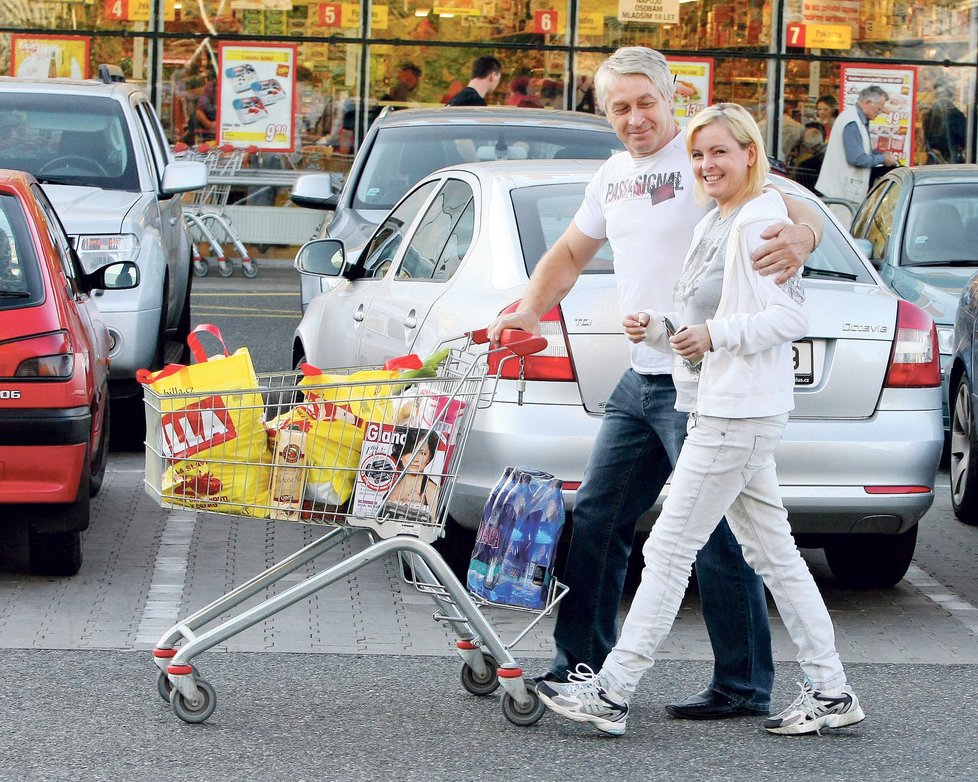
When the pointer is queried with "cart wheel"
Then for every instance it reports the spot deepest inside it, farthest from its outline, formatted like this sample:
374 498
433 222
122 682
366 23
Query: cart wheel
481 685
224 268
523 716
250 269
198 710
164 686
201 268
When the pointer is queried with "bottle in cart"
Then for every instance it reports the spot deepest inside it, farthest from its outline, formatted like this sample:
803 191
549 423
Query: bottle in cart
288 474
512 507
487 538
540 560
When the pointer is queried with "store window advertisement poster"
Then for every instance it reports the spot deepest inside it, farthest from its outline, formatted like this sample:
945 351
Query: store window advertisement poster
256 96
892 130
49 56
694 86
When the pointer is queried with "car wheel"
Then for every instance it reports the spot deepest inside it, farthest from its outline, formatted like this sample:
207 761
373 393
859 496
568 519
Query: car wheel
871 561
54 541
456 548
964 456
100 456
183 327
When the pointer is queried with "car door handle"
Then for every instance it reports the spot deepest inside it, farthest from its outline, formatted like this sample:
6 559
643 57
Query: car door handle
358 315
411 321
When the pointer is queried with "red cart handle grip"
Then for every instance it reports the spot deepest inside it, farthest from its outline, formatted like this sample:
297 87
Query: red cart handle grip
517 341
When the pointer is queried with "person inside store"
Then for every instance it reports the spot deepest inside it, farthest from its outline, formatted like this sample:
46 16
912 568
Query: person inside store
518 94
944 127
734 376
584 94
849 155
826 111
205 113
642 198
486 73
805 160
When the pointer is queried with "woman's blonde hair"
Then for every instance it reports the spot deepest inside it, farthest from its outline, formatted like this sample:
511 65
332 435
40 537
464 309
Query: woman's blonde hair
744 129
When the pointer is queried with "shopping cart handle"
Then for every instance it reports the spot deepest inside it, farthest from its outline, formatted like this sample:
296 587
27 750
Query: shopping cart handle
517 341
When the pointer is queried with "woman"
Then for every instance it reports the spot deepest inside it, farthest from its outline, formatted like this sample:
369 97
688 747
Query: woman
413 486
734 373
826 110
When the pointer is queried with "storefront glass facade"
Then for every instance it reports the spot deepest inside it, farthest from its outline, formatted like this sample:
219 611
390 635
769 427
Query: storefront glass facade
777 57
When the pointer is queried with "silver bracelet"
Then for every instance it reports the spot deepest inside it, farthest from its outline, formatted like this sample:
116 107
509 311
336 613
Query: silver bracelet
811 228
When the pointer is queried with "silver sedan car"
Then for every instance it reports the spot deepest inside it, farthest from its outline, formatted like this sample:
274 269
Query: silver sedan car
859 456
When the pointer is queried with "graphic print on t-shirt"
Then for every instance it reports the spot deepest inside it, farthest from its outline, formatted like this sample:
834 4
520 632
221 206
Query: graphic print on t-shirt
659 187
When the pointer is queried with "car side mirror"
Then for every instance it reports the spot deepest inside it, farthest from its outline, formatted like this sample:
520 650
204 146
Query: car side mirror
119 276
322 257
182 176
314 191
866 248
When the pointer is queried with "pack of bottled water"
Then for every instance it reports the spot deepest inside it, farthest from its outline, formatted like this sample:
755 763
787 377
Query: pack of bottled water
513 557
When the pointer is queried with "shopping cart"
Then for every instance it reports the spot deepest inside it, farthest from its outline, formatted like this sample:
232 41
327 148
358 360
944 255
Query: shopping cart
439 409
204 212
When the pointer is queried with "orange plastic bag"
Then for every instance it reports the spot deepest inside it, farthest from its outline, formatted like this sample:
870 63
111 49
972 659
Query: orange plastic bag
211 431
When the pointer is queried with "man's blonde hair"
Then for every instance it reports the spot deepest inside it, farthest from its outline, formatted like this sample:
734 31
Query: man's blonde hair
744 129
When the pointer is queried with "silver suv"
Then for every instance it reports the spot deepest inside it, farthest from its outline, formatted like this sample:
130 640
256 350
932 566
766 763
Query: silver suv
99 151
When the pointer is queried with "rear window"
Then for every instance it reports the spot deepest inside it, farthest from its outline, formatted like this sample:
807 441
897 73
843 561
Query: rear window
67 139
543 213
399 158
20 277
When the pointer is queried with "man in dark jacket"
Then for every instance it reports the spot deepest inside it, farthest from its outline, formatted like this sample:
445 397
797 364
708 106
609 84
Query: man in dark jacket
486 72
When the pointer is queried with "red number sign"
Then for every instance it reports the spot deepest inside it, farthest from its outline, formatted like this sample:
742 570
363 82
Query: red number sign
331 14
545 22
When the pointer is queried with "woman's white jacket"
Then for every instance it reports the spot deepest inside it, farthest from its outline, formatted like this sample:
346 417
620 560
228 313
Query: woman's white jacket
750 371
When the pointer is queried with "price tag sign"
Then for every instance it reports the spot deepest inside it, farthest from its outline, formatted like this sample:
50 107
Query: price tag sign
545 22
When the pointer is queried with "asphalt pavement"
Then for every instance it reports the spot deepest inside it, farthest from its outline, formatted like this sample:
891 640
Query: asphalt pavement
358 682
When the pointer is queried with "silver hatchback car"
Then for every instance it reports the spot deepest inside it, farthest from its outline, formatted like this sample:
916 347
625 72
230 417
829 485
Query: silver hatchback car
859 456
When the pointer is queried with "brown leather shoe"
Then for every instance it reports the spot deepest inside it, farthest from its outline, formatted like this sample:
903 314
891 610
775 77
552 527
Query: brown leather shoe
708 705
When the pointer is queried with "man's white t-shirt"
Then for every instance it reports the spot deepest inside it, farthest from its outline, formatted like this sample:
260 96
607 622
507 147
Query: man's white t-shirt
646 210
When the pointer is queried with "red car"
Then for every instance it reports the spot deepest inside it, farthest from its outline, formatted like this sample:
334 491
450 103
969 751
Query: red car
54 369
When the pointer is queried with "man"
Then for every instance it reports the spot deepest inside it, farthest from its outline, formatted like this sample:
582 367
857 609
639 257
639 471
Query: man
641 201
850 157
486 72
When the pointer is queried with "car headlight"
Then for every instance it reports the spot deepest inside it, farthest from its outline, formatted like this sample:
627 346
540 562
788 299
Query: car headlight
95 252
945 339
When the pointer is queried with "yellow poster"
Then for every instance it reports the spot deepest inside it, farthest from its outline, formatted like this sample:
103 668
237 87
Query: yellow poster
49 56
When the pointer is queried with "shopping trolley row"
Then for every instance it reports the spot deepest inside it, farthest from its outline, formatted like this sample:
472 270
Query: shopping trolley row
205 211
372 452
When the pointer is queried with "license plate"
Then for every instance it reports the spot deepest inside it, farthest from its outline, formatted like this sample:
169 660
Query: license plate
804 365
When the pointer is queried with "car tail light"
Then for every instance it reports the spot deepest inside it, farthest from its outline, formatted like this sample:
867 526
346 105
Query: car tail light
554 363
49 356
914 361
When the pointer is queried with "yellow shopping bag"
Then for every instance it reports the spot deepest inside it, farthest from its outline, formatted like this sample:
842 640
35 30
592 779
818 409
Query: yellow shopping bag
332 413
211 431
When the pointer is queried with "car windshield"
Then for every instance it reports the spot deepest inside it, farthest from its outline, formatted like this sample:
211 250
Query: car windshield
942 226
543 213
67 139
401 157
20 278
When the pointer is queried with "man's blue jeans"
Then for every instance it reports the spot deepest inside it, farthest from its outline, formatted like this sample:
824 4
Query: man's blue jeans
637 445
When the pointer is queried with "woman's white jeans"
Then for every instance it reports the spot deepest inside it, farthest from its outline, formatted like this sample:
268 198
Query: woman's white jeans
726 468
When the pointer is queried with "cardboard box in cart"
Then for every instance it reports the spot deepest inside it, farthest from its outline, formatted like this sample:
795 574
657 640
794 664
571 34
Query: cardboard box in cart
404 465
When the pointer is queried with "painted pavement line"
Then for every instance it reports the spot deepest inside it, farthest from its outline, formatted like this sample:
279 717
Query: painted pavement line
946 598
162 608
